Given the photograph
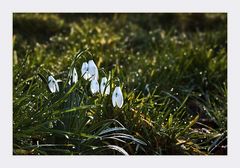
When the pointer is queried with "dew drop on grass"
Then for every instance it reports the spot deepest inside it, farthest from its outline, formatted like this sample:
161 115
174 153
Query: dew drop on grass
171 89
66 136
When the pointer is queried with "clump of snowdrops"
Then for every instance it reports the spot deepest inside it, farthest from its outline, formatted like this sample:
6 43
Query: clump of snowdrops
90 72
65 113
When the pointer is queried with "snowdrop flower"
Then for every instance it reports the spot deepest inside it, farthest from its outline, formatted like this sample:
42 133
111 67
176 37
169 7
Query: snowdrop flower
117 97
86 75
105 87
89 70
94 87
52 84
73 76
93 70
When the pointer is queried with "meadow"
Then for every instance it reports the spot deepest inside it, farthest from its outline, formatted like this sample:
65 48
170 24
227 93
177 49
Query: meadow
171 70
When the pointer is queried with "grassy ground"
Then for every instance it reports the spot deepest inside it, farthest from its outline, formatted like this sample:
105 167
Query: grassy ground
172 69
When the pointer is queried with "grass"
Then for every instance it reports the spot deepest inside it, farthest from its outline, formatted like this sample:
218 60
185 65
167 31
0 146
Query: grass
172 69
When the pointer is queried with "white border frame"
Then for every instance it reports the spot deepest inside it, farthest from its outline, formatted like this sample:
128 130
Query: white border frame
145 6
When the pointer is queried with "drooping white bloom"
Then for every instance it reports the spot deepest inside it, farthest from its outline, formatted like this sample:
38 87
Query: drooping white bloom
52 84
89 70
94 87
86 75
93 70
117 97
73 76
105 87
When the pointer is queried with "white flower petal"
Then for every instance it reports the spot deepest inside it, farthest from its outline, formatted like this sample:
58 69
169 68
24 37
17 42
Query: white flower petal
52 84
94 87
84 68
87 76
84 71
96 74
52 87
57 87
114 98
103 84
74 76
93 70
117 97
105 87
